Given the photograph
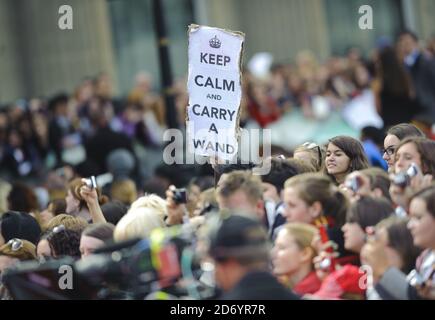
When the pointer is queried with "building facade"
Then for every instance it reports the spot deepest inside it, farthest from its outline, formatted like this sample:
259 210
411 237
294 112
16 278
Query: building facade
117 36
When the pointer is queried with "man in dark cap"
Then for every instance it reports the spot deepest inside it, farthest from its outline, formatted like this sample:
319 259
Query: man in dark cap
240 249
18 225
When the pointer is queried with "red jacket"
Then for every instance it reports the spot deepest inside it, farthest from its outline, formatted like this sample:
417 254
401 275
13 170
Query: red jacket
309 285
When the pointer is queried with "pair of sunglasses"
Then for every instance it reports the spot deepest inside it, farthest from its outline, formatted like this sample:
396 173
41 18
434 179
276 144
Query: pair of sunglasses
311 146
15 244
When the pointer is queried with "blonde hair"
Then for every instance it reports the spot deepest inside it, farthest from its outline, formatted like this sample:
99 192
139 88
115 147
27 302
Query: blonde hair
124 191
5 188
317 156
137 223
303 234
153 202
209 196
26 252
77 224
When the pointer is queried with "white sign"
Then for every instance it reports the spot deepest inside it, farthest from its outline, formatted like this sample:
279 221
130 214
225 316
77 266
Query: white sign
214 86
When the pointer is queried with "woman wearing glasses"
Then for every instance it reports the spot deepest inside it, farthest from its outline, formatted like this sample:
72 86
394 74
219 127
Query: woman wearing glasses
343 156
394 136
411 152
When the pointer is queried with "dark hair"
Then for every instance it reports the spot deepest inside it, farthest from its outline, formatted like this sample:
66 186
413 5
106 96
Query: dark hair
58 206
426 149
113 211
405 130
100 231
22 198
379 179
283 169
354 150
221 169
19 225
43 236
400 239
428 196
395 80
374 134
368 211
410 33
203 183
239 238
65 243
156 185
57 100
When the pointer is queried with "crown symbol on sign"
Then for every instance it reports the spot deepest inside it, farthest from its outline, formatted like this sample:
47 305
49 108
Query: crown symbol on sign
215 42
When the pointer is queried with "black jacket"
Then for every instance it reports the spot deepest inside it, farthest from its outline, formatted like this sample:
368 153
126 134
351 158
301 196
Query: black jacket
423 78
103 143
259 285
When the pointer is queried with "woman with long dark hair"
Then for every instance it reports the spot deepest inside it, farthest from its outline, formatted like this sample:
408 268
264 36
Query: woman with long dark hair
343 156
393 90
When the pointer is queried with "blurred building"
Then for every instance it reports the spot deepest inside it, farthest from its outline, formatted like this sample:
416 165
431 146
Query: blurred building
117 36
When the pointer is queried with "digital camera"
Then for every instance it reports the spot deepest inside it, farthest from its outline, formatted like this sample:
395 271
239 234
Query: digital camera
325 264
180 196
353 184
403 179
91 182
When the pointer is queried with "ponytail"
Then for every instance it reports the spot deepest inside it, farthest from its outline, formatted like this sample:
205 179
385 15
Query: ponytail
337 207
314 187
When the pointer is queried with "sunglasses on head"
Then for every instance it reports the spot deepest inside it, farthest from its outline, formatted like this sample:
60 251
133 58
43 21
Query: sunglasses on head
15 244
59 228
311 146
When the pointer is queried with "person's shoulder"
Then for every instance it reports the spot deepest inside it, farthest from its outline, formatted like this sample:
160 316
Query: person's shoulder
426 62
259 286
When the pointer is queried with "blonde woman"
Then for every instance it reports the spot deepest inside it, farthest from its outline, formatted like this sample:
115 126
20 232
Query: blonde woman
138 223
292 258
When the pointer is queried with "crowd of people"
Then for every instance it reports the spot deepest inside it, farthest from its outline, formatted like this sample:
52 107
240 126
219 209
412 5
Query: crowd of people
350 219
42 133
398 76
322 224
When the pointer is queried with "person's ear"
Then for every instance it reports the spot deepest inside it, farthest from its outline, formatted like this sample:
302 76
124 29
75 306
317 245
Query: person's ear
307 254
315 210
281 194
260 208
377 193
